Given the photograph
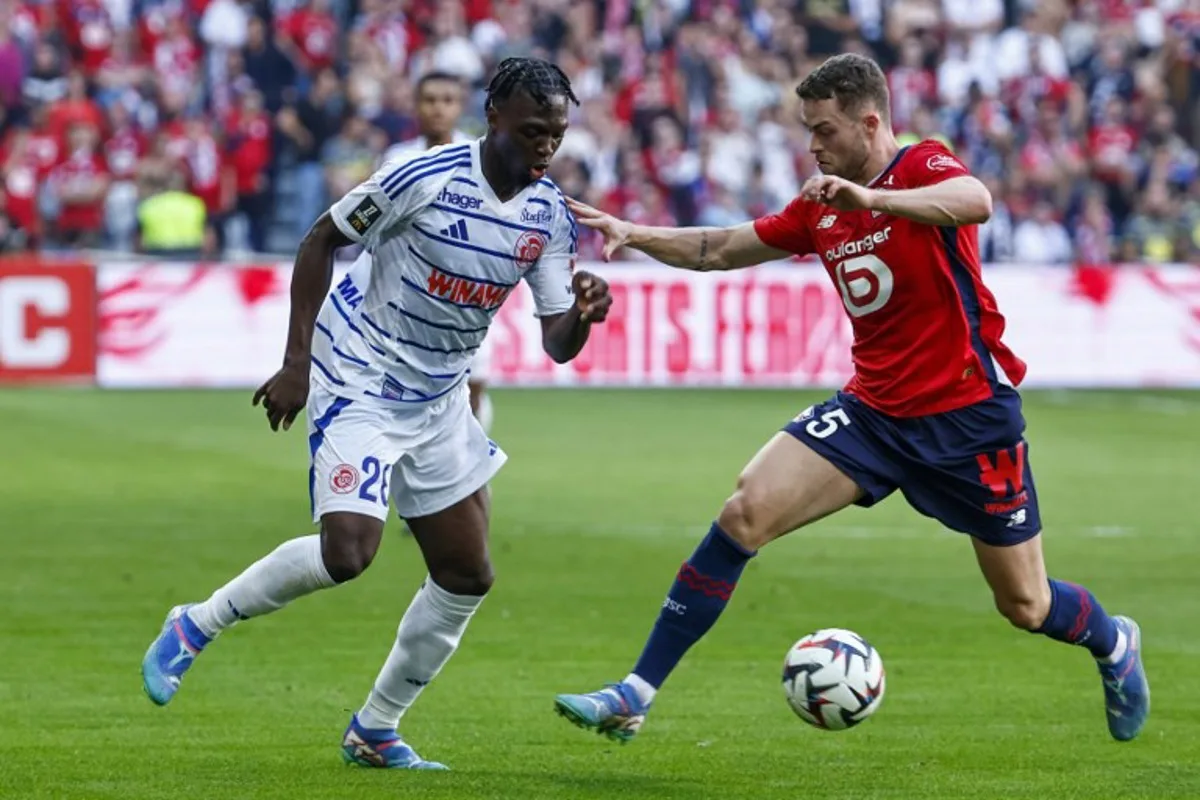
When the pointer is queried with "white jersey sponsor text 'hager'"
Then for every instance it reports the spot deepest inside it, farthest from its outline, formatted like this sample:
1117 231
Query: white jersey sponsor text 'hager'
442 254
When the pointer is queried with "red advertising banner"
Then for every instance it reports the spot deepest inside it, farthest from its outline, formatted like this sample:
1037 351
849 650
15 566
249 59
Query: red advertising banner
47 321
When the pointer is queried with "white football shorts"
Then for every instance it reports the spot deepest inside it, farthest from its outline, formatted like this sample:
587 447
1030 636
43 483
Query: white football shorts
420 458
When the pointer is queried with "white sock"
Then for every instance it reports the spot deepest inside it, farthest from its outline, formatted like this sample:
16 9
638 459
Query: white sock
428 635
486 412
1118 651
292 570
644 690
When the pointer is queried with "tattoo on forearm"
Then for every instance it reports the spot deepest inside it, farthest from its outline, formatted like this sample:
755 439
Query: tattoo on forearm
703 248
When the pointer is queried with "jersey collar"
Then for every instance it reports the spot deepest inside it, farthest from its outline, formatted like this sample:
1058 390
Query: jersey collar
895 160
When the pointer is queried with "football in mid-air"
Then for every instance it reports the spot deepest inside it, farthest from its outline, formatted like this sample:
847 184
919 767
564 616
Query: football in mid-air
833 679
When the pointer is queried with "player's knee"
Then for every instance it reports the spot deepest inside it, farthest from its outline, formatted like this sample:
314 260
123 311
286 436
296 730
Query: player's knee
474 579
1025 610
348 544
740 518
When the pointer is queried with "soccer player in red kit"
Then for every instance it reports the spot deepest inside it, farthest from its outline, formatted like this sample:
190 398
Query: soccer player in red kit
931 410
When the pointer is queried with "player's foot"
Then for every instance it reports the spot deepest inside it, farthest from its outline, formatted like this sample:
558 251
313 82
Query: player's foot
615 711
1126 690
378 748
170 655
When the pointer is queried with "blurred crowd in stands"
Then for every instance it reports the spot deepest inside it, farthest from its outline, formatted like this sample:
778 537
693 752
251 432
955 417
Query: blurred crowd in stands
239 121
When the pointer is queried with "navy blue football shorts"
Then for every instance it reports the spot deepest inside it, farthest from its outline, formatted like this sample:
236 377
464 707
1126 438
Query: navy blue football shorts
967 468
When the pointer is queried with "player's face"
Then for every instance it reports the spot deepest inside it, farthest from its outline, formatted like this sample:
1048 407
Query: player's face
528 134
439 105
840 143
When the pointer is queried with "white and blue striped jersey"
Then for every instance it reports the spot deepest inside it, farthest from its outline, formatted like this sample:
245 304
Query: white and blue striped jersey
419 144
442 254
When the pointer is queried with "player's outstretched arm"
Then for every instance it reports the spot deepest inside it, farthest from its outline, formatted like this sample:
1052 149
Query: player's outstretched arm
953 202
956 201
564 335
284 394
699 249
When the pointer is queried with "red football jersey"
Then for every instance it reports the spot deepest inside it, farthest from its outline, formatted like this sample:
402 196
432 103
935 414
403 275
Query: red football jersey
926 329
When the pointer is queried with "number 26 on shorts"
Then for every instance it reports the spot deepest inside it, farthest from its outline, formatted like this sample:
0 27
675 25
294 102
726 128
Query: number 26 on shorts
375 473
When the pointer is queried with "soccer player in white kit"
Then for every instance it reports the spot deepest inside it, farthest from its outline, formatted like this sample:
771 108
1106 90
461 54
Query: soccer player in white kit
439 108
382 371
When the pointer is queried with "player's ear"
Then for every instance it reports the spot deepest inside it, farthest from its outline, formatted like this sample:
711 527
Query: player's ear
872 122
493 117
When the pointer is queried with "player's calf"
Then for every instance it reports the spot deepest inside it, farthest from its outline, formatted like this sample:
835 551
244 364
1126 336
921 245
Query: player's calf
785 486
345 547
1068 612
1025 610
454 544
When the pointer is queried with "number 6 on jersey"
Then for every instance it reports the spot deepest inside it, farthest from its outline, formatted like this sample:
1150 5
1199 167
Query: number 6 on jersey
865 283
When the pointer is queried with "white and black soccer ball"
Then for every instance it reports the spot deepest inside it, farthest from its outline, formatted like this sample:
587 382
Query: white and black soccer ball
833 679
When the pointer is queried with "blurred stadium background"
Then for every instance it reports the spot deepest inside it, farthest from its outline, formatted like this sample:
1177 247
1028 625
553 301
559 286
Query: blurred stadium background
117 501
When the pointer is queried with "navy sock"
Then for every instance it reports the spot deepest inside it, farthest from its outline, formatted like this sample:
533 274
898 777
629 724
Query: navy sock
1076 617
700 593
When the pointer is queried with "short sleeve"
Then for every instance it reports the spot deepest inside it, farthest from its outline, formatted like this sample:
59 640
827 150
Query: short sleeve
549 279
929 163
787 230
396 191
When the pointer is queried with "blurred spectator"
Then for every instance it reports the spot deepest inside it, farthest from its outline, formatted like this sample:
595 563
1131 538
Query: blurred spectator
264 64
996 235
1082 116
1094 241
308 35
306 128
172 222
124 148
249 132
1041 239
22 171
46 81
12 66
351 155
1156 229
75 190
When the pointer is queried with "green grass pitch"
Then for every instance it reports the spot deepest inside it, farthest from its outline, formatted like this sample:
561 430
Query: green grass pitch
117 505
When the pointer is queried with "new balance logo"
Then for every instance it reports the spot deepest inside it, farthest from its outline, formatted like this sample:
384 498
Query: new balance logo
1016 519
457 231
827 221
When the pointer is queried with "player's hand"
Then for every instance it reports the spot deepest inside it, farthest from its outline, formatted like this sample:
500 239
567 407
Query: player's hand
284 395
616 231
591 296
838 193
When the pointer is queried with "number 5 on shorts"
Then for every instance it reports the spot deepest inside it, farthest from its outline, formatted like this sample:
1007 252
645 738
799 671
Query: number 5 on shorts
827 424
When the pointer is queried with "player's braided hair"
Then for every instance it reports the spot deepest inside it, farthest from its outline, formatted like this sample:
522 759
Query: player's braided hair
539 78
